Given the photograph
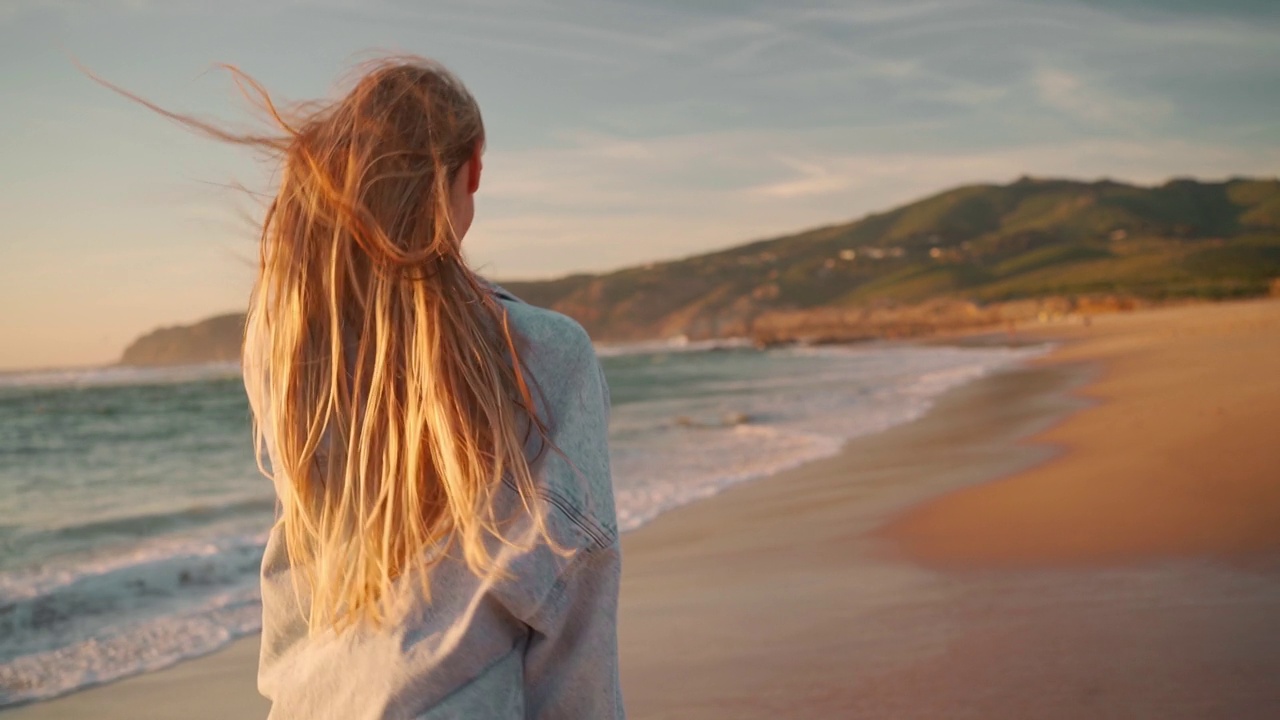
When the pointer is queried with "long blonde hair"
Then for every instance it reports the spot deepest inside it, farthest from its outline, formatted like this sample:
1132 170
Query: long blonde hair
382 374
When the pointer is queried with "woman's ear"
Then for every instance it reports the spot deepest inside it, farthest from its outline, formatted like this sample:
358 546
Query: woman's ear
473 171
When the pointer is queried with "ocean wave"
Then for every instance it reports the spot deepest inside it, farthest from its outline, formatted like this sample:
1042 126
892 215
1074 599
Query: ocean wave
149 524
741 453
787 421
115 375
679 344
138 647
163 560
87 603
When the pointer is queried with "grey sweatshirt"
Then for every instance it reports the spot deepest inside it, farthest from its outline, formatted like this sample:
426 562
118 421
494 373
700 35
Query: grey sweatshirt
541 643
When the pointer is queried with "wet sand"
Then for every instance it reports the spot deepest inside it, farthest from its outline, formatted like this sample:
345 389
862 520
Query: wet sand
900 579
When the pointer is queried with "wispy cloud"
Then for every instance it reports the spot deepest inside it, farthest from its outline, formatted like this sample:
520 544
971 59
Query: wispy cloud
1070 94
812 179
676 195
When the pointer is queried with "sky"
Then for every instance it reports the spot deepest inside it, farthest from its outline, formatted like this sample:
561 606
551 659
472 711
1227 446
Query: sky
619 132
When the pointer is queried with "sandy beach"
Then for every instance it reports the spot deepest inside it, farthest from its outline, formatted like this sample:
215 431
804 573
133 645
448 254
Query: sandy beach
1096 535
1179 458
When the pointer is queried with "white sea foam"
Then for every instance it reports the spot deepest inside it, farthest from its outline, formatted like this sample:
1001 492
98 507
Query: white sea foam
96 619
133 648
675 344
789 421
113 375
155 555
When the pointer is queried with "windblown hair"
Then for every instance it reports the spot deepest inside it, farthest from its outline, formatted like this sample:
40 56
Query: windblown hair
384 380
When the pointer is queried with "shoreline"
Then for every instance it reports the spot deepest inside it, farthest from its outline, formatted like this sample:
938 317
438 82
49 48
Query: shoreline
791 597
798 595
87 684
229 673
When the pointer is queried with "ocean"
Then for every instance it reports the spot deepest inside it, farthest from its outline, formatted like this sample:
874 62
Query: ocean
132 517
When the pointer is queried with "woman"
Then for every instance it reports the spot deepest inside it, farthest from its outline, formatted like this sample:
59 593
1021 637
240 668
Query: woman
446 543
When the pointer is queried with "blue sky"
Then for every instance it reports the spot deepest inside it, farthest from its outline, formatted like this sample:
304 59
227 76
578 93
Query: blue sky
619 132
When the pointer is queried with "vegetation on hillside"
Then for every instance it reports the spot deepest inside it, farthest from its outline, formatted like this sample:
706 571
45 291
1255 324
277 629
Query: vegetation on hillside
978 243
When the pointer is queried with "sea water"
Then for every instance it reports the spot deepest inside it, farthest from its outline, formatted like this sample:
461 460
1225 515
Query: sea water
133 518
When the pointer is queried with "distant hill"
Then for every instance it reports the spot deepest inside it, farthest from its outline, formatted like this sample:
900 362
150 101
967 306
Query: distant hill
973 255
213 340
978 244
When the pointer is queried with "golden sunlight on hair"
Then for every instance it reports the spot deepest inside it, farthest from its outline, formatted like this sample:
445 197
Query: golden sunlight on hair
385 385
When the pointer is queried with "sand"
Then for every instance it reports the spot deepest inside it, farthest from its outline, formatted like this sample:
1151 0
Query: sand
1090 537
1181 456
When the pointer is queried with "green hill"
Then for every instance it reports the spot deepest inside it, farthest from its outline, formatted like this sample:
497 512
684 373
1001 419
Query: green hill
980 244
945 260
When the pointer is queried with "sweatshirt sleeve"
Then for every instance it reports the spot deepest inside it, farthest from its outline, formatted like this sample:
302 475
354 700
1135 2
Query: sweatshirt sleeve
571 663
571 655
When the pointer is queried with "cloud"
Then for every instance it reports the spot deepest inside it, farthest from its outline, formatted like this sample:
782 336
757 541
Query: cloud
585 207
814 179
1070 94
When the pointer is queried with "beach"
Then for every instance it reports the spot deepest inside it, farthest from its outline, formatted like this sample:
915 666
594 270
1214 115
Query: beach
1095 534
1179 458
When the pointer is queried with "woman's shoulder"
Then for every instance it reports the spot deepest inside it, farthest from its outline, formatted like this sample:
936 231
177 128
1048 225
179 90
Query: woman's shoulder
541 328
573 399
